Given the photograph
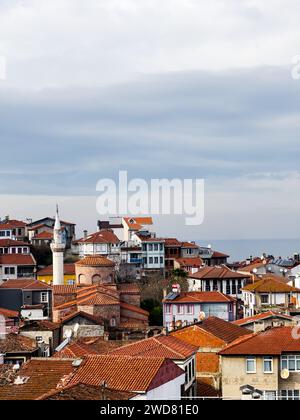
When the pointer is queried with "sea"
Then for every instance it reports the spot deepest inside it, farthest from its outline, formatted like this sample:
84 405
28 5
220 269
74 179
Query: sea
240 249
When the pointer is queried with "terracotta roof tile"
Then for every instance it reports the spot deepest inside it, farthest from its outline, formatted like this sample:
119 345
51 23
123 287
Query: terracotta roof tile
190 262
43 235
193 297
83 392
17 259
25 284
96 261
15 343
270 285
275 341
44 375
125 373
222 272
75 350
133 308
8 243
101 237
262 316
12 224
224 330
160 346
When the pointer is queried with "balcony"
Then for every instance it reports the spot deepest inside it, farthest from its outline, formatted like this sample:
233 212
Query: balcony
136 260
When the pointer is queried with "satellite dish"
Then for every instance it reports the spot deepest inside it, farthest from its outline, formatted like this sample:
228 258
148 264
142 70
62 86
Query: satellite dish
255 270
202 316
285 374
209 246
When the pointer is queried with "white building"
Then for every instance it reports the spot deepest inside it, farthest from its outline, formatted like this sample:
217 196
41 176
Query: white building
270 293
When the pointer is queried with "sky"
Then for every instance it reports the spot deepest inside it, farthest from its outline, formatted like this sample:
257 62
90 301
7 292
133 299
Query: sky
162 89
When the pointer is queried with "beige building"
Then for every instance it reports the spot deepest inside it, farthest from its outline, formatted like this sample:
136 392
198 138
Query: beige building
263 366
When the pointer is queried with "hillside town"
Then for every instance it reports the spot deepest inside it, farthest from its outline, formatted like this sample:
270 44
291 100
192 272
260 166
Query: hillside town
124 314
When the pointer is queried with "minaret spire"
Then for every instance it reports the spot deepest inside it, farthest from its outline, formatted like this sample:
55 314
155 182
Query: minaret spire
58 248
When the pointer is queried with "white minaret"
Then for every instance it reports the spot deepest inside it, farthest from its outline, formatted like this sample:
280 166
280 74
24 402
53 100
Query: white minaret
58 248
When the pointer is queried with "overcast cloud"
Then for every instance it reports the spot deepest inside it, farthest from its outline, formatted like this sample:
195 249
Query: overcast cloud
178 88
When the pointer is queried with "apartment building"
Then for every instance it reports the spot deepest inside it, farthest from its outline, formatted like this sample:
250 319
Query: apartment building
263 366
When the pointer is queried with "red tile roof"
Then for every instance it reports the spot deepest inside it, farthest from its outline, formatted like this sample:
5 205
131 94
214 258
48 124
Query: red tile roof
15 343
190 245
7 313
17 259
43 375
101 237
67 289
272 342
270 285
190 262
129 288
133 308
25 284
95 319
135 374
75 350
222 272
202 297
172 242
96 261
136 223
83 392
217 254
224 330
44 325
69 269
12 224
261 317
161 346
7 243
43 235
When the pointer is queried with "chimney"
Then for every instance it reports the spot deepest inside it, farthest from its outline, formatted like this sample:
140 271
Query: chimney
85 234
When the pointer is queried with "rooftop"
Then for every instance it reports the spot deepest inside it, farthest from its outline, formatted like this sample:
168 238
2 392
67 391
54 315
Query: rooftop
160 346
221 272
25 284
273 342
126 373
270 285
217 327
261 317
15 343
17 259
201 297
95 261
101 237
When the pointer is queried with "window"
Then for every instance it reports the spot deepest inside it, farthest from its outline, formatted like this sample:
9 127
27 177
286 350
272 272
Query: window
268 364
150 247
291 394
71 282
161 260
156 260
113 322
250 364
228 288
151 260
190 309
168 309
9 270
264 299
156 247
180 309
44 297
291 362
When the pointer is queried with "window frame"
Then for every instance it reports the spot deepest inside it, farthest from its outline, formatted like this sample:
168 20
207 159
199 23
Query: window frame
253 359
